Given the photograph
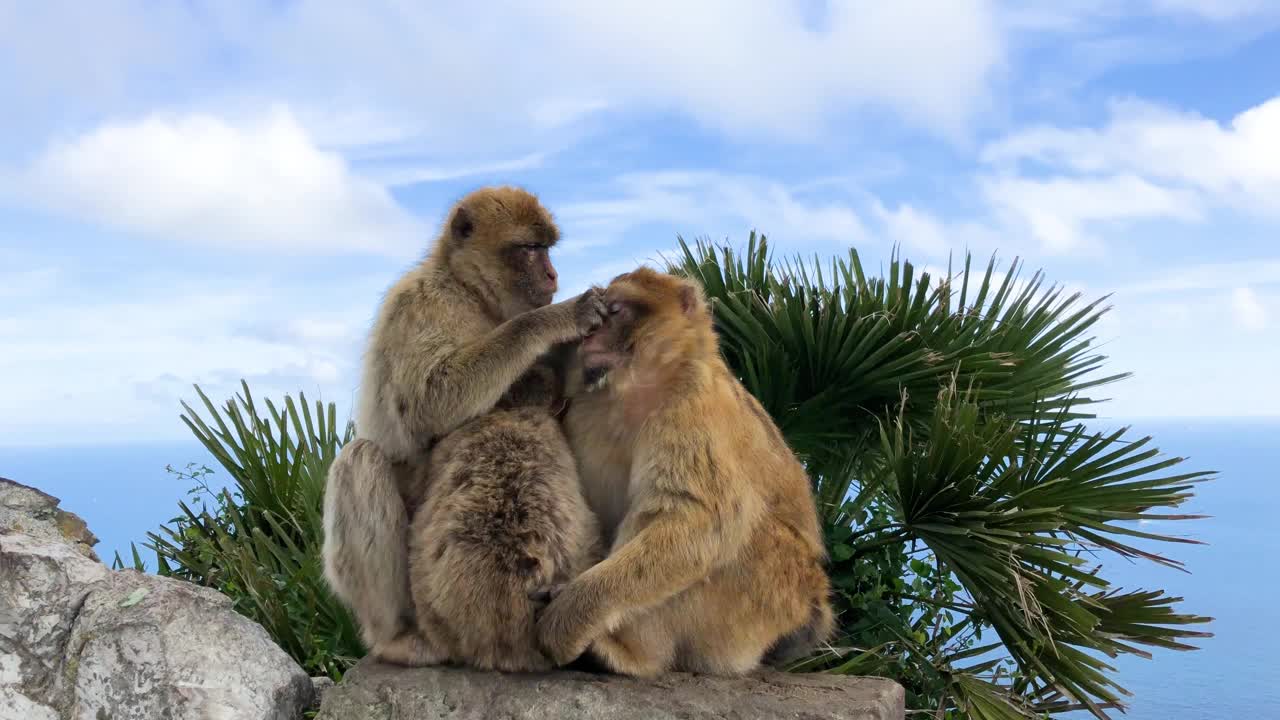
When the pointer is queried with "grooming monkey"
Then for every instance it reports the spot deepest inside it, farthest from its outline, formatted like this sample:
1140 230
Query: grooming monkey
450 339
503 516
716 556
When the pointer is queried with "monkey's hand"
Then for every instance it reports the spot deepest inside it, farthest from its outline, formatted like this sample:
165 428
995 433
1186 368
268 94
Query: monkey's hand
589 311
541 597
569 624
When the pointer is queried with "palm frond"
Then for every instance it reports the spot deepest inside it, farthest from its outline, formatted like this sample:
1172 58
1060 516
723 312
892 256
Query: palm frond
942 423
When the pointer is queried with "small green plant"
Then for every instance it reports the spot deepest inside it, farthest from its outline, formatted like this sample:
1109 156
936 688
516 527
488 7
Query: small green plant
259 541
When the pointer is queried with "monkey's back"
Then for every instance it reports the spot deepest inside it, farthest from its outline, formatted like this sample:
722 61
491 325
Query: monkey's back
504 516
421 318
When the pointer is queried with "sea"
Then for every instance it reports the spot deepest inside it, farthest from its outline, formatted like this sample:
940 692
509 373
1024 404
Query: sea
124 491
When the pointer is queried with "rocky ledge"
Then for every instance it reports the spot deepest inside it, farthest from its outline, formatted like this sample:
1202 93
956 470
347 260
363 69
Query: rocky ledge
26 510
372 690
79 640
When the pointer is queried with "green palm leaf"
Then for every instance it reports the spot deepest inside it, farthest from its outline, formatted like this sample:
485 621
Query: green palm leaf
941 420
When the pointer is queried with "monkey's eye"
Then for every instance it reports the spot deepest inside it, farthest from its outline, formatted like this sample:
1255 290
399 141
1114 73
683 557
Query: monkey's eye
615 307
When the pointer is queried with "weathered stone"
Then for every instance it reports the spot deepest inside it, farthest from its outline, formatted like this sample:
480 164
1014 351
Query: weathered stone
26 510
372 690
80 641
321 684
43 585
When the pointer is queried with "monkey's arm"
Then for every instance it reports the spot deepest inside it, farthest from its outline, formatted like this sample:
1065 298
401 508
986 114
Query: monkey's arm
677 547
685 521
467 380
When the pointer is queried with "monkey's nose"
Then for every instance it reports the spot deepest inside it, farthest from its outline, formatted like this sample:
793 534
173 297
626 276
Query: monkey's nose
552 275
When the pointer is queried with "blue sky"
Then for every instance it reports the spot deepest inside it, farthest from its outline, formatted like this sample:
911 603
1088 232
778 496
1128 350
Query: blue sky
199 192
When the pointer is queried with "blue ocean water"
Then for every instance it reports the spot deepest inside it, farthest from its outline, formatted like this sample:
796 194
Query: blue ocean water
122 492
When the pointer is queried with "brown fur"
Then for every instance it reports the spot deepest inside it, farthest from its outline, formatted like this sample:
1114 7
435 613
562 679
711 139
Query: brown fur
451 337
504 516
716 554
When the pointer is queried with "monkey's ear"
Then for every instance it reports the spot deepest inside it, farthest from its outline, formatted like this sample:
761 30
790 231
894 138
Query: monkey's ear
462 225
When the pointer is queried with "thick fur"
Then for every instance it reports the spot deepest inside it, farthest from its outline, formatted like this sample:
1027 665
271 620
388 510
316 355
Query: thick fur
504 517
450 338
716 554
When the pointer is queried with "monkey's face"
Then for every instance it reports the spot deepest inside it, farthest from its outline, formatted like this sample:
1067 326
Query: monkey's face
653 317
610 346
500 238
528 263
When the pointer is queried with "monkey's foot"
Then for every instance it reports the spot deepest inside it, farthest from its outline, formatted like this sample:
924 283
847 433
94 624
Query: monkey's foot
408 649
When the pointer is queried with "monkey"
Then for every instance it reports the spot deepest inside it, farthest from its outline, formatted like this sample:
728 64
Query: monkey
503 516
716 561
450 338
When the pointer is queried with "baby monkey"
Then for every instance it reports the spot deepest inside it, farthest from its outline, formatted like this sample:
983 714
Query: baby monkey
503 515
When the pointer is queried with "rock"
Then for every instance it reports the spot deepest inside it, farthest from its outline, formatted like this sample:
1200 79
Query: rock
78 640
373 690
321 684
149 646
29 511
43 585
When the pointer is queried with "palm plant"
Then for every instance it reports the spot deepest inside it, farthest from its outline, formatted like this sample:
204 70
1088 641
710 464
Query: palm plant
962 496
259 542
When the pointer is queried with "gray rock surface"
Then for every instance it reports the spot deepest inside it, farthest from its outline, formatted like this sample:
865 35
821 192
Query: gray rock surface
26 510
372 690
321 685
150 647
78 640
43 585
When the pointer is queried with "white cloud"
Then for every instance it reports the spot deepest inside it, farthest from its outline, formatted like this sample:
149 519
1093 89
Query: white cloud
1217 10
711 203
84 367
924 235
260 184
19 283
1147 163
1059 212
1091 14
1190 357
1233 165
1211 276
402 172
912 228
745 68
1249 311
95 54
501 73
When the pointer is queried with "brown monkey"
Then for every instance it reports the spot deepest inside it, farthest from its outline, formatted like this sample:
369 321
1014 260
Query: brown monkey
450 338
716 555
503 517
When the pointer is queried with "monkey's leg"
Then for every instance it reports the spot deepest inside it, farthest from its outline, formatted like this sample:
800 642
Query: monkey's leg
731 621
508 641
805 640
427 646
716 631
410 649
365 550
468 597
642 647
